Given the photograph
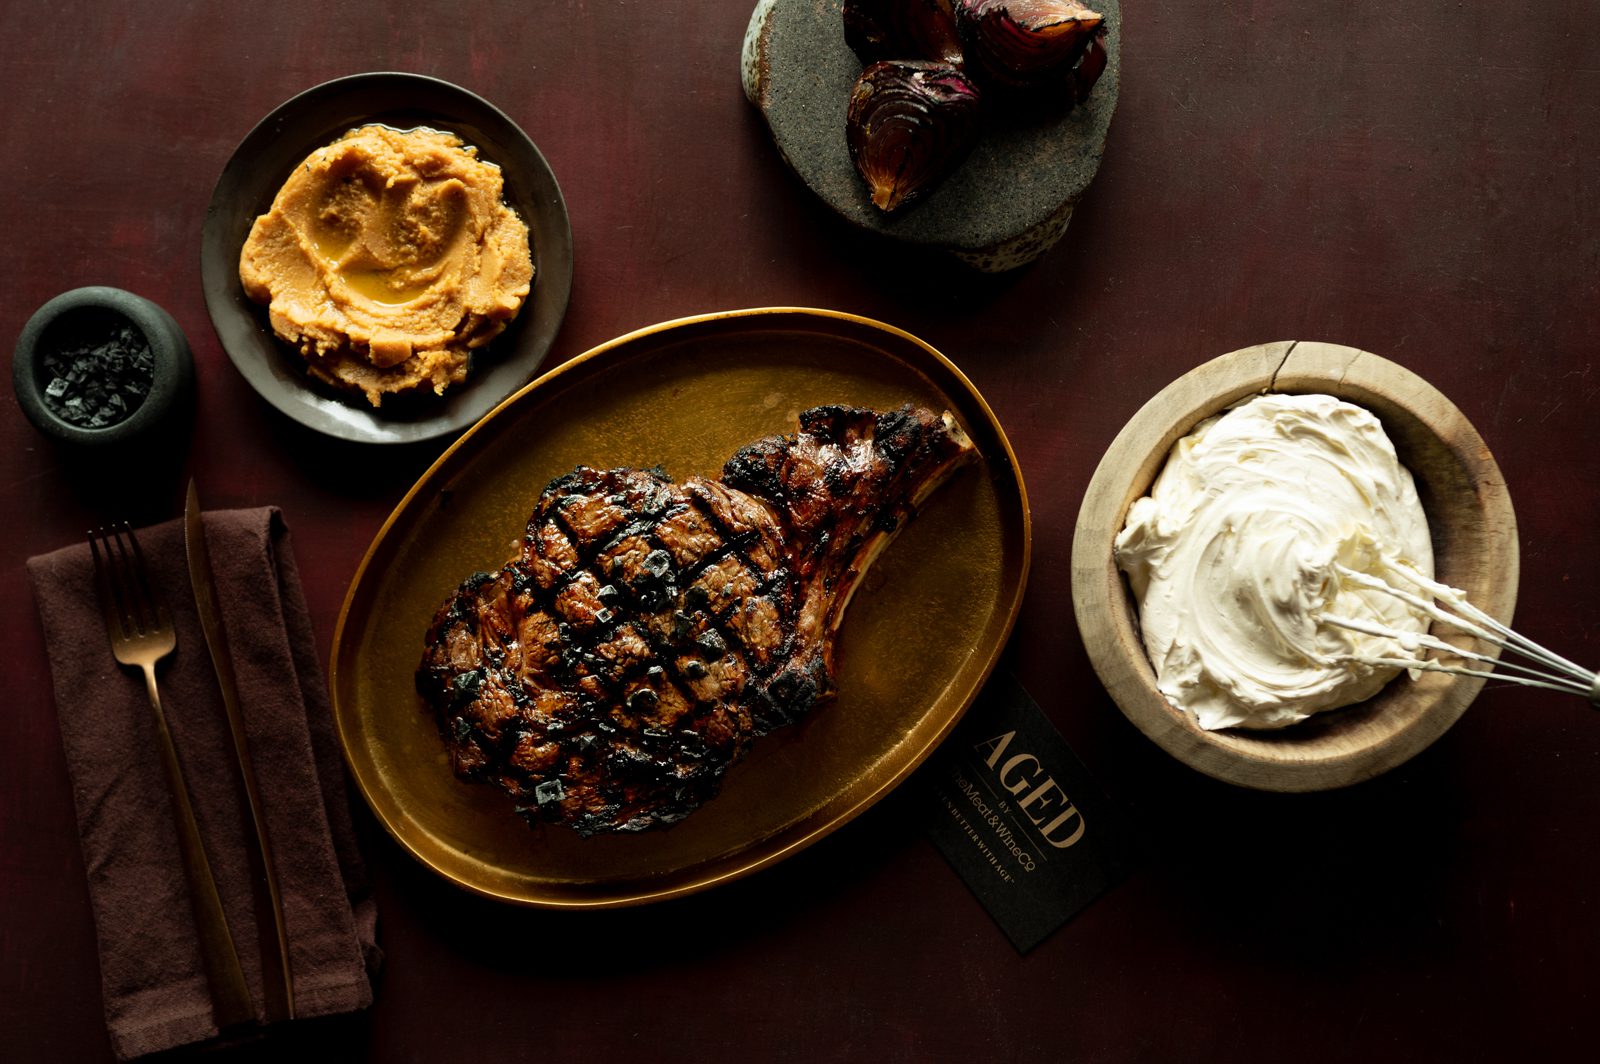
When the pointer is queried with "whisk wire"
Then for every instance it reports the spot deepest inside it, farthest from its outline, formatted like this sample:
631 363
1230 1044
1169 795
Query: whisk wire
1458 601
1549 670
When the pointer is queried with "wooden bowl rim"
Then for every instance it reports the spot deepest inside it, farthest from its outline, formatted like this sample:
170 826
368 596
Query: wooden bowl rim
1306 757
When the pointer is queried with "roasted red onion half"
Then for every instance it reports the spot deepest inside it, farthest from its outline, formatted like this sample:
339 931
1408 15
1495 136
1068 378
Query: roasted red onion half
902 29
1089 67
1020 44
909 124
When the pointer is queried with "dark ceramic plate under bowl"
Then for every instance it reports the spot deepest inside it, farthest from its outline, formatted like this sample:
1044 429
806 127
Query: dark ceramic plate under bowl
258 169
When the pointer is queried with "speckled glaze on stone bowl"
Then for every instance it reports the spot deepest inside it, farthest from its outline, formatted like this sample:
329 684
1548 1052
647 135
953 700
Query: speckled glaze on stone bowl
1470 519
1008 203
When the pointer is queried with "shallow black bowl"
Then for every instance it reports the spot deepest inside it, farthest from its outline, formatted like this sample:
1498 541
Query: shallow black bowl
258 169
87 313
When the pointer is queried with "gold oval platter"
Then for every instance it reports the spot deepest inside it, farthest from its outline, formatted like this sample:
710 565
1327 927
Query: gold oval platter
920 637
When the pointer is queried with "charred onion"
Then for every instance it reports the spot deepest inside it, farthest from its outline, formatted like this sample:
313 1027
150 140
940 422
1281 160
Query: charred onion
902 29
1020 44
909 124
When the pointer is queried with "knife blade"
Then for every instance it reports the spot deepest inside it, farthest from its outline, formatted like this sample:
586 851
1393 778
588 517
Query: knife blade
276 974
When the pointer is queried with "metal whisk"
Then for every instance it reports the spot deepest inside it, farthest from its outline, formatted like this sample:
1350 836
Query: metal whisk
1534 666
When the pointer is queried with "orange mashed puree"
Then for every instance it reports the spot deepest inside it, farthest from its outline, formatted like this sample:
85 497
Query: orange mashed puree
387 257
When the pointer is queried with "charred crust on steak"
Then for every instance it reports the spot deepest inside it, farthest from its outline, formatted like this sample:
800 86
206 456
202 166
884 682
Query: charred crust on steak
648 631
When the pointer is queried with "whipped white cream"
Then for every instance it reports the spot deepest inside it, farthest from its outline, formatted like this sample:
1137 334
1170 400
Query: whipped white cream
1236 554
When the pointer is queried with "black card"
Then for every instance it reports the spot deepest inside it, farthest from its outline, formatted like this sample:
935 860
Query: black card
1018 816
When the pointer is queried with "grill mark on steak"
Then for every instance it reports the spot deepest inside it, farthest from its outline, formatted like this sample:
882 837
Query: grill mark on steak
647 631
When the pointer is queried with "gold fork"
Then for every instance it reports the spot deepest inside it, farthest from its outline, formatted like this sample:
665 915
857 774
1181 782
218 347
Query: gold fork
142 634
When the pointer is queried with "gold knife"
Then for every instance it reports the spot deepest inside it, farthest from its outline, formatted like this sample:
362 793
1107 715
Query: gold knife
277 978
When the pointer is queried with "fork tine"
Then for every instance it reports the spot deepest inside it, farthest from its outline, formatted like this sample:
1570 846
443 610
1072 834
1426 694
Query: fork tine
102 578
116 583
150 605
122 589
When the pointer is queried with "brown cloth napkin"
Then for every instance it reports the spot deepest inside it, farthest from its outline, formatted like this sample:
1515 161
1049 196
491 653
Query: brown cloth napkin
156 995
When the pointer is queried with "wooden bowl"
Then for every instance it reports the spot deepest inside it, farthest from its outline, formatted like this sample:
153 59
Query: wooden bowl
1474 540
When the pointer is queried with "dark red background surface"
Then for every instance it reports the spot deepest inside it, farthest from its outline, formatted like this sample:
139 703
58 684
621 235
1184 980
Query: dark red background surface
1419 180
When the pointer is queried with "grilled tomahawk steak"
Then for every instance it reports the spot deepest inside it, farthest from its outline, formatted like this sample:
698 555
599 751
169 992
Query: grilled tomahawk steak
649 630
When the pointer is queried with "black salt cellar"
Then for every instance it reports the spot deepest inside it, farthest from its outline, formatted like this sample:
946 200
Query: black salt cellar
98 367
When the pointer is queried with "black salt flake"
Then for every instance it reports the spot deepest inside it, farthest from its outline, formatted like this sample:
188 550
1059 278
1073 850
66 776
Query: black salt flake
100 380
